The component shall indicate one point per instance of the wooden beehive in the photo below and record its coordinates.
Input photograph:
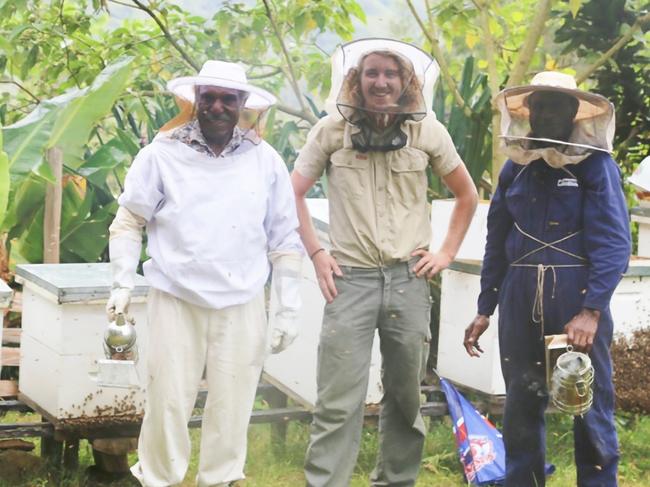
(63, 325)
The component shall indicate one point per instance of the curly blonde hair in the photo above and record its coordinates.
(410, 101)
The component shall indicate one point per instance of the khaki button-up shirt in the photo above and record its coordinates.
(378, 207)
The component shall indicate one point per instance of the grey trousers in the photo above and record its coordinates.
(396, 303)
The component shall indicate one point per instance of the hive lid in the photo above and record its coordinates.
(5, 294)
(640, 211)
(70, 283)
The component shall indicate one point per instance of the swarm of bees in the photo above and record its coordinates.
(631, 365)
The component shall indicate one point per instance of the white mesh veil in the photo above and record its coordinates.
(593, 127)
(419, 73)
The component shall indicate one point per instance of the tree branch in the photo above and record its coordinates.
(444, 67)
(188, 59)
(493, 82)
(490, 48)
(268, 74)
(296, 113)
(293, 79)
(535, 30)
(12, 82)
(641, 21)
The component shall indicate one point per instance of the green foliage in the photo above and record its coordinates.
(65, 122)
(273, 465)
(471, 135)
(4, 181)
(624, 79)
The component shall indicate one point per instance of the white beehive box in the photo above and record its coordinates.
(641, 215)
(460, 289)
(630, 307)
(5, 300)
(63, 324)
(473, 245)
(294, 370)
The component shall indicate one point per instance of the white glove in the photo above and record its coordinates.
(285, 331)
(118, 303)
(285, 286)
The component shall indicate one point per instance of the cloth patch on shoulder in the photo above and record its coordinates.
(567, 182)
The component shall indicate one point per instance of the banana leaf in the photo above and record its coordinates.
(73, 126)
(4, 182)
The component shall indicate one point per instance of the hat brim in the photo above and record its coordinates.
(590, 104)
(258, 99)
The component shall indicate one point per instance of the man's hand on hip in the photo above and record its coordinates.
(581, 330)
(430, 264)
(326, 267)
(473, 332)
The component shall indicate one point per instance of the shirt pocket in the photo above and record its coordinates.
(348, 173)
(408, 168)
(564, 210)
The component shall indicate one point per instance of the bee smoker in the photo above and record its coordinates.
(118, 369)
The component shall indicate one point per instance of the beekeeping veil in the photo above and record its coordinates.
(593, 125)
(418, 72)
(224, 75)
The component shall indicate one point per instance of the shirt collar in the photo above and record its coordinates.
(190, 134)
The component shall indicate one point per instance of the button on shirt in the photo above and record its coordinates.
(211, 221)
(379, 211)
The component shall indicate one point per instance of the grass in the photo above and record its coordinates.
(269, 465)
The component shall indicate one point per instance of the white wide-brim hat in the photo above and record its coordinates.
(590, 104)
(223, 75)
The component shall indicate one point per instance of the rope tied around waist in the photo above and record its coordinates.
(538, 303)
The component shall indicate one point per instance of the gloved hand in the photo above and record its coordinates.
(118, 302)
(285, 330)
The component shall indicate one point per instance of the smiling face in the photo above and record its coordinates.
(381, 83)
(552, 114)
(218, 110)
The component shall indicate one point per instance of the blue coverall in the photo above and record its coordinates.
(580, 211)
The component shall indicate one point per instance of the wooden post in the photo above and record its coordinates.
(277, 399)
(52, 213)
(71, 454)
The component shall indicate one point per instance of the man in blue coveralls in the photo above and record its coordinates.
(558, 242)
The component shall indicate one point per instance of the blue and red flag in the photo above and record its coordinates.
(480, 444)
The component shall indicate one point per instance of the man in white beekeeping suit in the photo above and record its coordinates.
(219, 213)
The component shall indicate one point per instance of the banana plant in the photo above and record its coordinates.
(67, 122)
(471, 135)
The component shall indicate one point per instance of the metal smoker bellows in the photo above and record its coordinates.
(571, 383)
(119, 337)
(119, 367)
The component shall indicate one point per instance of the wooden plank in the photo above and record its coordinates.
(18, 430)
(11, 336)
(17, 302)
(16, 444)
(10, 357)
(8, 388)
(14, 405)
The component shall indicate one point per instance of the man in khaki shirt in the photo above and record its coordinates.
(375, 158)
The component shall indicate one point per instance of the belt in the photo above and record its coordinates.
(538, 304)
